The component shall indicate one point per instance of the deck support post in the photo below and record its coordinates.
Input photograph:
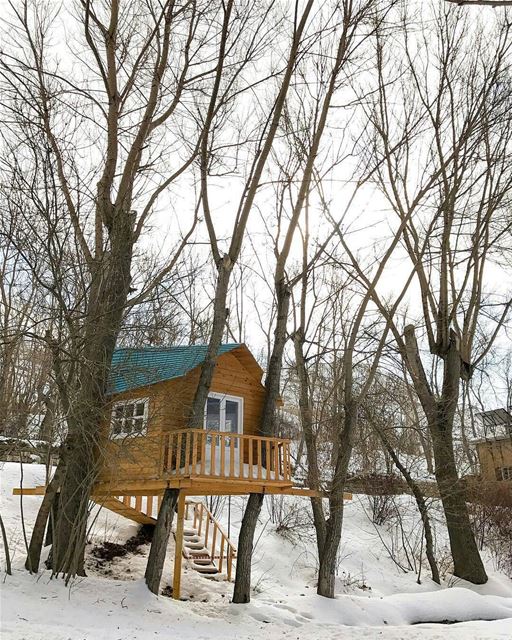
(160, 540)
(176, 585)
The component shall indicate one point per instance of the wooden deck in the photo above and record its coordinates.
(216, 455)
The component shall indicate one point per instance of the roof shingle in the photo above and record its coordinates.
(138, 367)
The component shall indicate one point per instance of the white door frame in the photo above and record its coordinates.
(223, 397)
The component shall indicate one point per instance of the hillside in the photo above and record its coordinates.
(375, 597)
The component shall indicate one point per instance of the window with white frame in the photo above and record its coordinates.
(224, 413)
(130, 418)
(504, 473)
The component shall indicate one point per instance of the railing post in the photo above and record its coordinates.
(230, 562)
(250, 443)
(203, 453)
(179, 450)
(176, 585)
(222, 471)
(241, 460)
(214, 541)
(200, 515)
(232, 456)
(194, 452)
(207, 529)
(187, 453)
(221, 554)
(212, 455)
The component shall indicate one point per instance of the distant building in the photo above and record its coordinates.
(495, 450)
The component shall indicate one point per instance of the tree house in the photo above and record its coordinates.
(148, 447)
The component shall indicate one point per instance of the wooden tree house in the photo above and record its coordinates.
(149, 448)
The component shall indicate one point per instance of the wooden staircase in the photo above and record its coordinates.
(206, 547)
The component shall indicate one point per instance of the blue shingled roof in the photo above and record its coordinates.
(133, 368)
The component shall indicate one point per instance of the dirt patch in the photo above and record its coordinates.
(108, 551)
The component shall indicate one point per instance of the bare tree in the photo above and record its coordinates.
(452, 214)
(127, 100)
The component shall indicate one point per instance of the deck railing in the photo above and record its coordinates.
(234, 456)
(221, 551)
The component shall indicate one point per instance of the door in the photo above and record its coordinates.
(223, 413)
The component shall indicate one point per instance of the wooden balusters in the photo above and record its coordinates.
(187, 453)
(221, 553)
(195, 452)
(222, 470)
(232, 441)
(212, 454)
(178, 451)
(203, 453)
(241, 456)
(214, 539)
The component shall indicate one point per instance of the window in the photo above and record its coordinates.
(130, 418)
(504, 473)
(224, 413)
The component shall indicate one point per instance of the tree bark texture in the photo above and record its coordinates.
(440, 413)
(36, 540)
(82, 451)
(242, 590)
(220, 314)
(422, 506)
(306, 421)
(329, 556)
(158, 550)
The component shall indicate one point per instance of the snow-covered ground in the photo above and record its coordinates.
(377, 597)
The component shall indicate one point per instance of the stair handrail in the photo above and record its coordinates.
(201, 513)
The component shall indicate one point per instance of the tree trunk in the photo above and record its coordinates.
(81, 454)
(426, 446)
(440, 413)
(268, 427)
(220, 314)
(329, 555)
(334, 524)
(36, 540)
(242, 590)
(467, 563)
(54, 514)
(157, 552)
(8, 568)
(269, 424)
(421, 503)
(306, 420)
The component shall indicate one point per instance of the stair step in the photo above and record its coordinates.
(191, 538)
(199, 553)
(196, 553)
(209, 569)
(187, 531)
(202, 561)
(194, 545)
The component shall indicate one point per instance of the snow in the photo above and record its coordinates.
(375, 598)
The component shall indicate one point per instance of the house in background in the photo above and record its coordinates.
(495, 450)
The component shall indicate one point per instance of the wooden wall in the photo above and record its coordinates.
(494, 454)
(169, 408)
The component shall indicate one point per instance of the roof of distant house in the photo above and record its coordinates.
(133, 368)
